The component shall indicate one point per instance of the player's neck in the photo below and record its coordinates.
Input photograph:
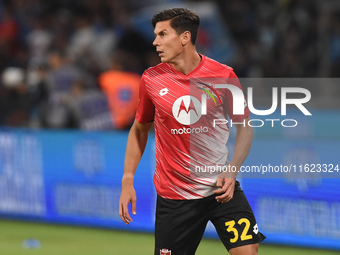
(187, 63)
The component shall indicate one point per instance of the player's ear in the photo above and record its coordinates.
(186, 38)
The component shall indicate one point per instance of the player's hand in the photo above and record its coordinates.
(127, 196)
(226, 189)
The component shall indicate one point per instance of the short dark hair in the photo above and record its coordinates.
(181, 20)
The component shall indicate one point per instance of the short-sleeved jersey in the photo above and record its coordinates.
(190, 114)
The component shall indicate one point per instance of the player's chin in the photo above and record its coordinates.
(164, 60)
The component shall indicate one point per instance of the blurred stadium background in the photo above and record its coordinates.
(68, 95)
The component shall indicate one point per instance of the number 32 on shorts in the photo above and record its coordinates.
(244, 236)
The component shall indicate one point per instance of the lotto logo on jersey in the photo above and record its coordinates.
(165, 252)
(187, 110)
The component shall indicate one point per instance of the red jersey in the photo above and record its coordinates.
(190, 114)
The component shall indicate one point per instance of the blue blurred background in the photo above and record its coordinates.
(63, 136)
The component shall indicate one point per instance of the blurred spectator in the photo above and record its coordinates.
(8, 29)
(121, 88)
(60, 82)
(16, 102)
(81, 41)
(92, 40)
(37, 83)
(8, 36)
(89, 109)
(39, 38)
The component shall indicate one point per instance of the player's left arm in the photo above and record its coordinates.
(244, 137)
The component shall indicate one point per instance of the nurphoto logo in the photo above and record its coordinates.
(239, 104)
(188, 109)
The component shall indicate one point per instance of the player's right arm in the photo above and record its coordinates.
(136, 143)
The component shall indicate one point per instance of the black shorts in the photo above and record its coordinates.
(180, 224)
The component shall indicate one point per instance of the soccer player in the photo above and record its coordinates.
(179, 97)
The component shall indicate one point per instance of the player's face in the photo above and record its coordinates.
(168, 42)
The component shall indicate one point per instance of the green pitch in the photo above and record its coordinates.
(67, 240)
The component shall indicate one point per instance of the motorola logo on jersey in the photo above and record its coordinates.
(187, 110)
